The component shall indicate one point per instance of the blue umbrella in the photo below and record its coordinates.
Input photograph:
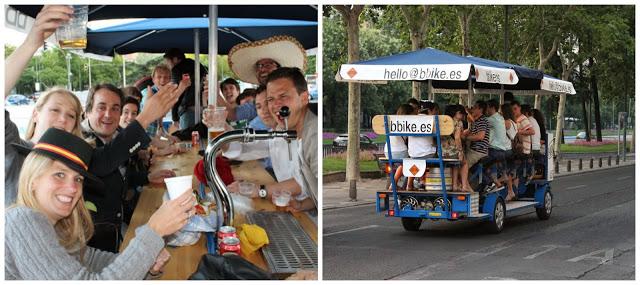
(107, 12)
(442, 68)
(157, 35)
(451, 71)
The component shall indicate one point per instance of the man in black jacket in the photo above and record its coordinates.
(183, 112)
(111, 155)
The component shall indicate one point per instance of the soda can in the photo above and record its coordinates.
(226, 231)
(195, 138)
(229, 246)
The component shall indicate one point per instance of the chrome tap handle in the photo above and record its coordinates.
(284, 113)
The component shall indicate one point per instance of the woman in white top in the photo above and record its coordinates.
(399, 147)
(512, 131)
(422, 147)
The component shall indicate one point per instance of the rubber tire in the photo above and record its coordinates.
(411, 224)
(545, 212)
(495, 226)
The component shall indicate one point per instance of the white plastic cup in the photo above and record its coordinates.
(281, 198)
(178, 185)
(246, 188)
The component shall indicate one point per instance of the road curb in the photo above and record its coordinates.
(333, 207)
(591, 170)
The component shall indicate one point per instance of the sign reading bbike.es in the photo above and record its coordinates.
(411, 124)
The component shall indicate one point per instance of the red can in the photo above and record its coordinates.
(226, 231)
(229, 246)
(195, 138)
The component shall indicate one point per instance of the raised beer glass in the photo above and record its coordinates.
(73, 34)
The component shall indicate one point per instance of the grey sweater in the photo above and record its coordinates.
(32, 251)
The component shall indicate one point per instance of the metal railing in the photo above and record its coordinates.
(329, 149)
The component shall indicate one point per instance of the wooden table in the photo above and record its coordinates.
(184, 260)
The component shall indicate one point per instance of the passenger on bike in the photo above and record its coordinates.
(522, 149)
(478, 136)
(452, 144)
(421, 147)
(538, 127)
(498, 144)
(398, 143)
(511, 131)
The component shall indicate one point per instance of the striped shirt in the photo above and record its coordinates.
(523, 124)
(481, 124)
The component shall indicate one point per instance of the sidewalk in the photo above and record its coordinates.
(336, 194)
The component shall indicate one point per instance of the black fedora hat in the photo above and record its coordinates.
(65, 147)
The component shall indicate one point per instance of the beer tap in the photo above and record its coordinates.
(221, 195)
(284, 113)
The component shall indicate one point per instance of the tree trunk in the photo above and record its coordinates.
(585, 114)
(417, 18)
(543, 59)
(584, 97)
(566, 73)
(596, 100)
(350, 15)
(505, 50)
(464, 18)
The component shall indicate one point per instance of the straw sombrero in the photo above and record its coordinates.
(285, 50)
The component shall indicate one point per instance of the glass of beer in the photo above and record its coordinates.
(73, 34)
(216, 118)
(281, 199)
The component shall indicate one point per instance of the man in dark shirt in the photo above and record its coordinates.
(183, 112)
(114, 147)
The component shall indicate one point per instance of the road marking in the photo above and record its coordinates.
(607, 258)
(549, 247)
(351, 230)
(424, 272)
(498, 278)
(576, 187)
(623, 178)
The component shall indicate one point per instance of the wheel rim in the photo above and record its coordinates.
(547, 202)
(499, 215)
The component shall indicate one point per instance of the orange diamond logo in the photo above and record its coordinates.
(510, 77)
(352, 72)
(414, 169)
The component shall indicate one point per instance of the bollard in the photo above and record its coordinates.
(617, 160)
(568, 165)
(557, 167)
(580, 164)
(591, 163)
(609, 161)
(600, 162)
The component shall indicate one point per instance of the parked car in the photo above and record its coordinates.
(365, 142)
(581, 136)
(17, 99)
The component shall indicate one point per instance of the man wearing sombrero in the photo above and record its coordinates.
(253, 61)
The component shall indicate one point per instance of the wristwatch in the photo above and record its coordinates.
(262, 192)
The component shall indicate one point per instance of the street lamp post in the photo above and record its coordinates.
(68, 57)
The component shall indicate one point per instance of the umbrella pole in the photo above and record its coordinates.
(196, 82)
(213, 54)
(470, 92)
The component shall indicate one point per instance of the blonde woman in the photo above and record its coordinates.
(47, 230)
(57, 108)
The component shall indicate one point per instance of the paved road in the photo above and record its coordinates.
(591, 235)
